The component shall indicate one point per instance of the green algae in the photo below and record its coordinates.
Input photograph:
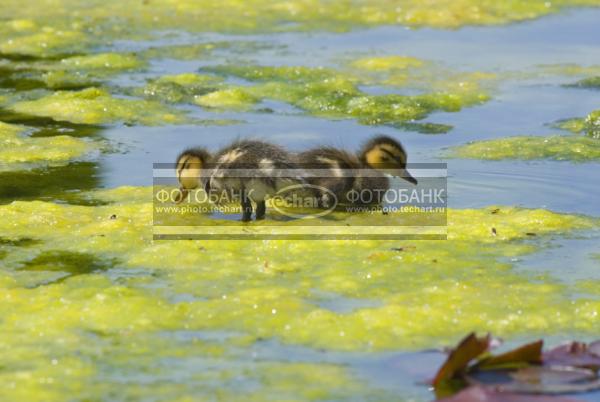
(269, 73)
(335, 94)
(130, 17)
(571, 148)
(122, 230)
(48, 182)
(184, 52)
(102, 61)
(179, 88)
(73, 263)
(19, 150)
(431, 292)
(386, 63)
(570, 70)
(43, 42)
(20, 242)
(590, 125)
(44, 267)
(590, 82)
(231, 98)
(67, 73)
(97, 106)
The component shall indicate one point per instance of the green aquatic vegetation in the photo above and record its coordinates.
(193, 51)
(43, 267)
(20, 150)
(20, 242)
(571, 148)
(591, 82)
(41, 41)
(590, 125)
(73, 263)
(179, 88)
(122, 229)
(97, 106)
(48, 182)
(231, 98)
(101, 61)
(425, 128)
(387, 63)
(389, 70)
(431, 292)
(334, 94)
(265, 16)
(67, 73)
(570, 69)
(269, 74)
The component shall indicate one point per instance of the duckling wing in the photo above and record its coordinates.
(256, 166)
(330, 168)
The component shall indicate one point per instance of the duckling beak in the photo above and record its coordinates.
(181, 196)
(409, 178)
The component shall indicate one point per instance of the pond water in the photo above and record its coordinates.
(171, 330)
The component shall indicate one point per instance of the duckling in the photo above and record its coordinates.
(353, 173)
(249, 169)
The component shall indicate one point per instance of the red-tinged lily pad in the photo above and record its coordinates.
(538, 380)
(553, 380)
(576, 354)
(530, 353)
(522, 374)
(493, 394)
(594, 348)
(458, 360)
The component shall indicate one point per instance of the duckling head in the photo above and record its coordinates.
(189, 170)
(387, 155)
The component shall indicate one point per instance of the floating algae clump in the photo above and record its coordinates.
(66, 73)
(110, 17)
(18, 149)
(389, 70)
(269, 73)
(589, 125)
(42, 42)
(183, 52)
(386, 63)
(97, 106)
(571, 148)
(334, 94)
(179, 88)
(102, 61)
(590, 82)
(232, 98)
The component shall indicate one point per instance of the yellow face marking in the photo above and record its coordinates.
(386, 157)
(397, 153)
(181, 163)
(189, 170)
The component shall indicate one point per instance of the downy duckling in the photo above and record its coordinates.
(352, 175)
(247, 170)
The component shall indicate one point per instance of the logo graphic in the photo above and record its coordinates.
(304, 201)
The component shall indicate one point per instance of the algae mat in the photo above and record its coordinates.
(102, 298)
(261, 15)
